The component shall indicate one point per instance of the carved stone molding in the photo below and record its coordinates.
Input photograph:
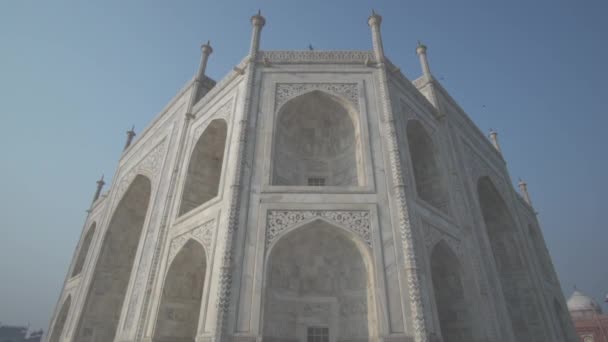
(202, 234)
(149, 166)
(288, 91)
(287, 57)
(223, 112)
(357, 221)
(433, 235)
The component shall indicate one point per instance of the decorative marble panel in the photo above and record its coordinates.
(357, 221)
(433, 235)
(288, 91)
(202, 234)
(352, 57)
(223, 112)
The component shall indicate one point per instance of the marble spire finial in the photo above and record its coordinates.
(374, 21)
(100, 184)
(130, 135)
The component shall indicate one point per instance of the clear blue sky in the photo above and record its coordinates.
(75, 75)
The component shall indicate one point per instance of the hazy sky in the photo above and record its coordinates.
(75, 75)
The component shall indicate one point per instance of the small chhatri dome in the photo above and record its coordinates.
(581, 303)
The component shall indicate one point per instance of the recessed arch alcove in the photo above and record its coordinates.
(453, 310)
(515, 281)
(99, 320)
(180, 304)
(60, 320)
(205, 167)
(430, 184)
(538, 246)
(84, 250)
(318, 277)
(316, 142)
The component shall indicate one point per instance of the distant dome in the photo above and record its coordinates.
(580, 302)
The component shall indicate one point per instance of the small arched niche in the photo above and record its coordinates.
(430, 185)
(317, 287)
(84, 250)
(180, 303)
(316, 143)
(454, 313)
(60, 320)
(205, 167)
(516, 284)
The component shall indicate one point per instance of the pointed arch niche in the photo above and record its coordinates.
(317, 143)
(104, 302)
(205, 167)
(84, 250)
(180, 303)
(430, 184)
(455, 316)
(515, 280)
(60, 321)
(317, 282)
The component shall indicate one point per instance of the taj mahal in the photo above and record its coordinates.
(312, 196)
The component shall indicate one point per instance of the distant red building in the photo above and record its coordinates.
(591, 325)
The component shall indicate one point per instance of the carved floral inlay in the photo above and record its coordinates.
(288, 91)
(202, 233)
(357, 221)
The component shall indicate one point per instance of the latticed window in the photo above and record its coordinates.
(316, 181)
(318, 334)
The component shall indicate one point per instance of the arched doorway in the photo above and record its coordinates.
(429, 182)
(455, 319)
(84, 250)
(60, 320)
(317, 287)
(516, 284)
(103, 306)
(316, 143)
(205, 167)
(180, 303)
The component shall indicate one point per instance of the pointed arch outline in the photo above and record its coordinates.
(362, 231)
(83, 250)
(170, 263)
(218, 121)
(443, 251)
(147, 170)
(514, 231)
(360, 245)
(423, 148)
(353, 109)
(63, 316)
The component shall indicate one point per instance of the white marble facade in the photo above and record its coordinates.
(311, 196)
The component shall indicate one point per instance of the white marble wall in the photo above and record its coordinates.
(252, 212)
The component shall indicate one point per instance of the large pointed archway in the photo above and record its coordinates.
(317, 287)
(455, 317)
(103, 306)
(180, 303)
(514, 277)
(60, 320)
